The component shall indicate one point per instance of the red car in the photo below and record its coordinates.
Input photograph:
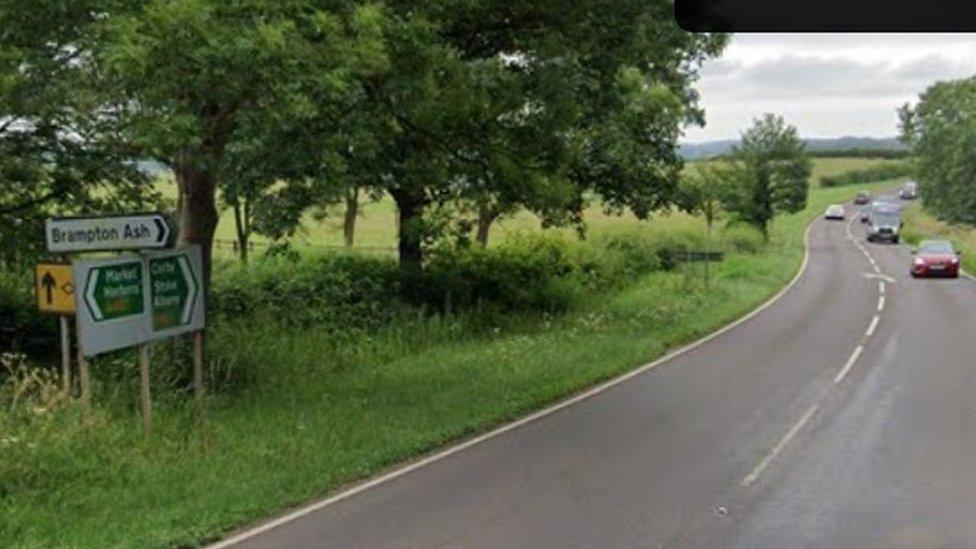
(935, 258)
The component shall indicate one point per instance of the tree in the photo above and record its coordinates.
(538, 105)
(941, 129)
(769, 173)
(702, 191)
(60, 151)
(198, 82)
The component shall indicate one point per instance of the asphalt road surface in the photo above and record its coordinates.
(844, 415)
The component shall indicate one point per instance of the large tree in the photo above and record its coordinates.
(769, 174)
(197, 80)
(60, 150)
(534, 104)
(941, 129)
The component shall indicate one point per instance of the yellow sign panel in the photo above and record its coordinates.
(55, 288)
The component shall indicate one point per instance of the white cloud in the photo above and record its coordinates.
(827, 85)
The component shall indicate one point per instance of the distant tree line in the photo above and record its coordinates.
(941, 130)
(462, 112)
(859, 153)
(867, 175)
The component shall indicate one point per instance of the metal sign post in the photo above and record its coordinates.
(54, 291)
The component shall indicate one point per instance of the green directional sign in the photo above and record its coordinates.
(115, 291)
(173, 291)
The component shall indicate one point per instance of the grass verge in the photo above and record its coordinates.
(319, 413)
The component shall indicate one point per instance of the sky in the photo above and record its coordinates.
(827, 85)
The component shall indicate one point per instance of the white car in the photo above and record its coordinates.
(835, 211)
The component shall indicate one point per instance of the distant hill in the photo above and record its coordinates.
(706, 149)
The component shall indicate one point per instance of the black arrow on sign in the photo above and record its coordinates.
(163, 233)
(48, 282)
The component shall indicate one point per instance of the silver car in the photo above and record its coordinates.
(835, 211)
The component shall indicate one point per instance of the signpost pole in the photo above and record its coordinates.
(83, 380)
(198, 372)
(144, 388)
(65, 353)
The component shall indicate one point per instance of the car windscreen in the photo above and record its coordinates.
(935, 248)
(885, 219)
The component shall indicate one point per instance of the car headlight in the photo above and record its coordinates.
(919, 262)
(955, 260)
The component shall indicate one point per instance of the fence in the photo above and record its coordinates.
(233, 246)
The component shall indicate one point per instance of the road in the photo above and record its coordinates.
(843, 415)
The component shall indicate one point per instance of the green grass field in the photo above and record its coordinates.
(319, 413)
(375, 227)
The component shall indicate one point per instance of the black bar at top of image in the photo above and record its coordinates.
(826, 15)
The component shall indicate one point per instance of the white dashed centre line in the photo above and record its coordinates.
(752, 477)
(873, 326)
(850, 363)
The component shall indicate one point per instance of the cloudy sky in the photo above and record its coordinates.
(828, 85)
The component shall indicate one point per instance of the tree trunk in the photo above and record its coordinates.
(352, 210)
(486, 216)
(410, 211)
(198, 212)
(240, 224)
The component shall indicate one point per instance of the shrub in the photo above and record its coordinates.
(743, 238)
(22, 328)
(341, 292)
(866, 175)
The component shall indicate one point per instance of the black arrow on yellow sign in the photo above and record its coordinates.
(48, 282)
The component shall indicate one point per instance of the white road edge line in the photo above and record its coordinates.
(847, 366)
(881, 287)
(498, 431)
(881, 303)
(872, 326)
(752, 477)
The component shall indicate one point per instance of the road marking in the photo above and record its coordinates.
(881, 287)
(872, 326)
(881, 303)
(501, 430)
(752, 477)
(883, 277)
(850, 363)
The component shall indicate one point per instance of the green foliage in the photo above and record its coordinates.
(860, 153)
(59, 152)
(769, 173)
(702, 190)
(22, 329)
(335, 292)
(941, 129)
(866, 175)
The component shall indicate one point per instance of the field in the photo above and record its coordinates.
(313, 412)
(376, 230)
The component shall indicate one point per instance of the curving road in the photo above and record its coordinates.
(843, 415)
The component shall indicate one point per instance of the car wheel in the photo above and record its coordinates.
(895, 240)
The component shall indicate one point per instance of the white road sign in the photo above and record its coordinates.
(128, 301)
(123, 232)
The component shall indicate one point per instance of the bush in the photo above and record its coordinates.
(340, 292)
(743, 238)
(22, 328)
(866, 175)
